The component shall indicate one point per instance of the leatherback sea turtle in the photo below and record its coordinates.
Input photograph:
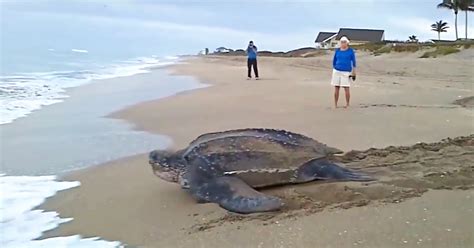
(226, 167)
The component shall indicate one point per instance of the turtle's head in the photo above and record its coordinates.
(167, 165)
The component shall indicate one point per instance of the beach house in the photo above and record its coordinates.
(325, 39)
(223, 50)
(357, 36)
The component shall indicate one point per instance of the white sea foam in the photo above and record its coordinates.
(79, 51)
(20, 223)
(24, 93)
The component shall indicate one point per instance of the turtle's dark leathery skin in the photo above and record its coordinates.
(226, 167)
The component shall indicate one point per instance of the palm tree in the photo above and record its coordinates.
(439, 27)
(454, 5)
(412, 38)
(466, 6)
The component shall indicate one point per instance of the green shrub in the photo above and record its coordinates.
(371, 47)
(445, 50)
(440, 51)
(407, 48)
(384, 49)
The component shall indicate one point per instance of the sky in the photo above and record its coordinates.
(186, 27)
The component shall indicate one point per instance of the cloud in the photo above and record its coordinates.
(229, 36)
(193, 33)
(421, 27)
(146, 10)
(274, 24)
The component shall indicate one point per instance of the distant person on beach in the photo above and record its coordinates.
(344, 70)
(252, 60)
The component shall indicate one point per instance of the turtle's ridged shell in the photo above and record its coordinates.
(279, 136)
(261, 157)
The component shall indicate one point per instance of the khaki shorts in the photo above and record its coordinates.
(341, 78)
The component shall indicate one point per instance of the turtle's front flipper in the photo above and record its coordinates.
(324, 169)
(235, 195)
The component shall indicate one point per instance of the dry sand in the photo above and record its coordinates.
(424, 196)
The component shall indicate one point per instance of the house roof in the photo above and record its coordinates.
(322, 36)
(372, 35)
(438, 41)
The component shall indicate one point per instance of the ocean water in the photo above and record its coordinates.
(21, 224)
(52, 121)
(24, 90)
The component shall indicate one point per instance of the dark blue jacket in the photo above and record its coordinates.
(252, 53)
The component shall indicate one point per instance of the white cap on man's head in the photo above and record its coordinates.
(344, 39)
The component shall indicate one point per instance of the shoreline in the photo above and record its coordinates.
(76, 133)
(64, 138)
(122, 200)
(56, 87)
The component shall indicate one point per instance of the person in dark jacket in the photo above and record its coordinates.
(252, 60)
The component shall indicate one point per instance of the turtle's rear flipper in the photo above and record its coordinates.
(324, 169)
(235, 195)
